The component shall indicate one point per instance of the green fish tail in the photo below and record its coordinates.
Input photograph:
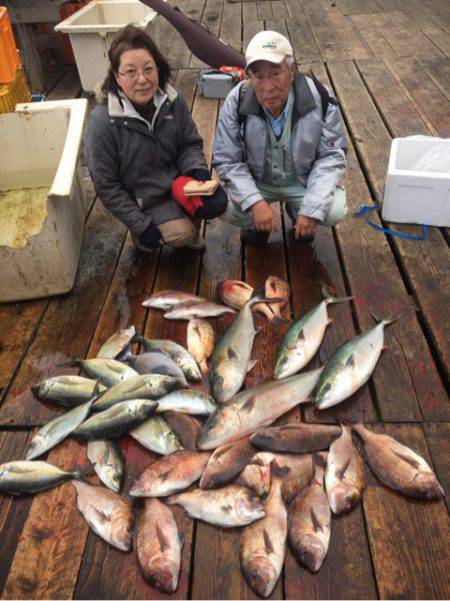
(334, 299)
(386, 320)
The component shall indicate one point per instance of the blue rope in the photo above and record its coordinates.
(365, 209)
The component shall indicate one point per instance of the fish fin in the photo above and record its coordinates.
(315, 522)
(268, 547)
(226, 508)
(251, 364)
(329, 298)
(222, 450)
(386, 320)
(101, 515)
(319, 460)
(164, 475)
(276, 471)
(74, 361)
(249, 404)
(341, 472)
(231, 353)
(163, 542)
(350, 361)
(301, 335)
(81, 473)
(410, 460)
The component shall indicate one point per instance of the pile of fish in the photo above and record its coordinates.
(282, 483)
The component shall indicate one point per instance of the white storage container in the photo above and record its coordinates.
(413, 196)
(42, 209)
(93, 28)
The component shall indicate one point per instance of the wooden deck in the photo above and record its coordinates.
(388, 62)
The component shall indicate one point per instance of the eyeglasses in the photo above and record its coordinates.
(132, 74)
(276, 77)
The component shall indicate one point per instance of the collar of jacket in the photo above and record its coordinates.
(303, 100)
(122, 107)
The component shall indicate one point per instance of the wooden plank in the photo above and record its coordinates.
(250, 23)
(430, 298)
(280, 10)
(408, 538)
(69, 321)
(231, 26)
(350, 37)
(373, 145)
(439, 72)
(427, 96)
(438, 439)
(326, 38)
(178, 53)
(264, 8)
(294, 8)
(373, 36)
(302, 39)
(13, 510)
(68, 87)
(356, 7)
(278, 25)
(441, 39)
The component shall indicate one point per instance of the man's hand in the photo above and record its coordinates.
(263, 217)
(305, 227)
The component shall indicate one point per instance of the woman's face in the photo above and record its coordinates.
(137, 75)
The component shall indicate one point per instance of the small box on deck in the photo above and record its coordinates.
(215, 84)
(416, 191)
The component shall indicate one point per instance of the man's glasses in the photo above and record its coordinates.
(132, 74)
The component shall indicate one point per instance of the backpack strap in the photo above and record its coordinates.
(240, 117)
(325, 97)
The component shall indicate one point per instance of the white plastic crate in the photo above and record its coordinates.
(93, 28)
(42, 208)
(412, 196)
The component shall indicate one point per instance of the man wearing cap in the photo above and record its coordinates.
(274, 143)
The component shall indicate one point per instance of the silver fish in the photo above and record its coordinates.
(158, 546)
(263, 543)
(107, 513)
(166, 299)
(69, 391)
(108, 462)
(200, 341)
(116, 420)
(255, 408)
(157, 362)
(350, 366)
(345, 478)
(170, 474)
(227, 507)
(117, 344)
(146, 386)
(189, 310)
(57, 430)
(302, 340)
(310, 521)
(156, 435)
(231, 358)
(194, 402)
(26, 477)
(107, 371)
(399, 467)
(179, 354)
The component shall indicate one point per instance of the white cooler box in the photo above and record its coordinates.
(42, 209)
(93, 28)
(417, 196)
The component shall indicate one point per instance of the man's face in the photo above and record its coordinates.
(272, 84)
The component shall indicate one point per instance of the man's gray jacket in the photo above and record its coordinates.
(133, 163)
(318, 147)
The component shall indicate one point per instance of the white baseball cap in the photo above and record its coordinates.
(268, 46)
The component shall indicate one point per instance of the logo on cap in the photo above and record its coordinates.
(272, 45)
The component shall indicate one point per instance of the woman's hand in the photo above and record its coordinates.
(263, 217)
(151, 237)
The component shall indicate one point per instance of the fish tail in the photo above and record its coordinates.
(81, 473)
(279, 320)
(334, 299)
(359, 428)
(276, 471)
(74, 361)
(386, 320)
(318, 460)
(136, 338)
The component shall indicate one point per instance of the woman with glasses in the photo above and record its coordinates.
(139, 140)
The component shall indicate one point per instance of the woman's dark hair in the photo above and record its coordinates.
(133, 38)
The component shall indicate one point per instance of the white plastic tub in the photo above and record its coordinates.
(413, 196)
(93, 28)
(42, 209)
